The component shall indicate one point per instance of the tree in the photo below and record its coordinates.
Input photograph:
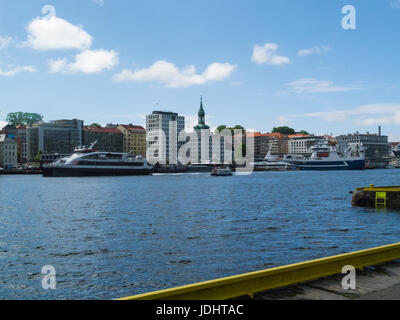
(284, 130)
(23, 118)
(304, 132)
(95, 125)
(37, 157)
(221, 127)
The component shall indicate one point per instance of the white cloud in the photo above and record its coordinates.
(310, 85)
(13, 70)
(283, 120)
(314, 50)
(367, 115)
(5, 42)
(88, 61)
(395, 4)
(99, 2)
(266, 54)
(170, 75)
(55, 33)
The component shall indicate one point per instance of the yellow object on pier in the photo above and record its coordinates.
(380, 200)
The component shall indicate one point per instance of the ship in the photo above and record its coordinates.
(271, 163)
(396, 151)
(87, 161)
(221, 172)
(326, 157)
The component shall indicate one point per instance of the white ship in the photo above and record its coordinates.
(271, 163)
(86, 161)
(326, 157)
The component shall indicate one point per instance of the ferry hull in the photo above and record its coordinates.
(343, 165)
(90, 172)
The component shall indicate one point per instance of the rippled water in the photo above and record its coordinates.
(112, 237)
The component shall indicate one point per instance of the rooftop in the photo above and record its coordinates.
(102, 130)
(132, 127)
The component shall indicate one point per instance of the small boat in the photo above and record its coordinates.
(219, 172)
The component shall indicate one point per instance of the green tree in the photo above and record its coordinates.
(221, 127)
(37, 157)
(304, 132)
(284, 130)
(23, 118)
(95, 125)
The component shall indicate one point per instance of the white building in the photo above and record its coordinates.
(8, 152)
(302, 144)
(163, 130)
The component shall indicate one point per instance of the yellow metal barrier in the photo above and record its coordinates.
(259, 281)
(380, 200)
(380, 189)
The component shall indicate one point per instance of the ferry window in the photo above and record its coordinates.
(91, 156)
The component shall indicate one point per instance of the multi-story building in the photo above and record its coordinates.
(263, 142)
(261, 145)
(279, 144)
(55, 137)
(21, 140)
(8, 152)
(160, 125)
(377, 147)
(301, 144)
(108, 139)
(134, 139)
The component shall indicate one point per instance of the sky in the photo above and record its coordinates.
(257, 63)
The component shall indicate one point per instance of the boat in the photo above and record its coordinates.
(87, 161)
(219, 172)
(271, 163)
(326, 157)
(396, 151)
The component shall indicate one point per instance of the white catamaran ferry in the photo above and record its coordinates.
(86, 161)
(326, 157)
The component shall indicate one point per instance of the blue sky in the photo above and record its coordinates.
(256, 63)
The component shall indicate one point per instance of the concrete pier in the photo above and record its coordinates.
(377, 276)
(377, 197)
(380, 282)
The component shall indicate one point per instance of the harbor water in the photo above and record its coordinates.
(109, 237)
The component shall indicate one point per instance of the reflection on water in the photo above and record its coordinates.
(111, 237)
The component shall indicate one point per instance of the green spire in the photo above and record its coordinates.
(202, 117)
(201, 111)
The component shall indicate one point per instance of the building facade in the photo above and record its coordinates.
(18, 133)
(8, 152)
(108, 139)
(134, 139)
(301, 144)
(261, 145)
(55, 137)
(377, 147)
(163, 129)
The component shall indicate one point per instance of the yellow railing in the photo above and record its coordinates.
(384, 189)
(259, 281)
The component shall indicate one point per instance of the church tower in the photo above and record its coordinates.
(202, 118)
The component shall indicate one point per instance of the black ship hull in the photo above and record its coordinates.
(93, 172)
